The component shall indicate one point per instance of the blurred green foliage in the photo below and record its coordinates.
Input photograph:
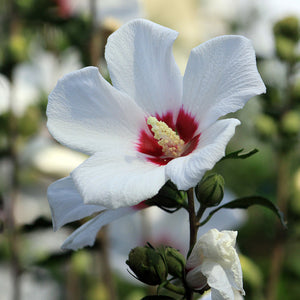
(24, 23)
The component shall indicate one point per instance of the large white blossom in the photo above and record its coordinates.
(215, 262)
(151, 125)
(132, 155)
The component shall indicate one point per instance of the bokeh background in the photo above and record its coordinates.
(40, 41)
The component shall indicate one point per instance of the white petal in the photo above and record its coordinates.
(217, 279)
(84, 112)
(188, 170)
(221, 76)
(140, 62)
(118, 178)
(66, 203)
(235, 275)
(85, 235)
(196, 279)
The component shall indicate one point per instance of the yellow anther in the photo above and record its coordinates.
(172, 145)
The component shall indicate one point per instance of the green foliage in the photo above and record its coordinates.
(246, 202)
(237, 155)
(288, 28)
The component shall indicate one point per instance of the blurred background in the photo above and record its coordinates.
(40, 41)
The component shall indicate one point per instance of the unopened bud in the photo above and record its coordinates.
(169, 197)
(290, 123)
(210, 190)
(148, 265)
(265, 126)
(175, 262)
(288, 28)
(285, 48)
(17, 47)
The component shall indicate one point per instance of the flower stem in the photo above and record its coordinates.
(176, 289)
(200, 212)
(193, 231)
(192, 219)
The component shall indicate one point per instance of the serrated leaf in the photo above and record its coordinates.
(237, 155)
(246, 202)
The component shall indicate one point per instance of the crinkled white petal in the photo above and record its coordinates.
(215, 295)
(221, 76)
(188, 170)
(86, 234)
(218, 246)
(217, 279)
(66, 203)
(215, 257)
(116, 178)
(85, 112)
(140, 62)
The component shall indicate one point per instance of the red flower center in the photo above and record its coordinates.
(157, 149)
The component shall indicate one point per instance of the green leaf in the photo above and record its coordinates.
(37, 224)
(246, 202)
(237, 155)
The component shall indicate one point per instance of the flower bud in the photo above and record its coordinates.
(288, 28)
(17, 47)
(265, 126)
(148, 265)
(210, 190)
(175, 262)
(285, 48)
(290, 123)
(169, 197)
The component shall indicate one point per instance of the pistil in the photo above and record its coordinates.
(172, 145)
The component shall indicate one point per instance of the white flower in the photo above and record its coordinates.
(133, 155)
(38, 76)
(214, 261)
(67, 206)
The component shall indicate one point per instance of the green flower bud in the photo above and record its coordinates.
(265, 126)
(290, 123)
(175, 262)
(288, 28)
(285, 49)
(168, 197)
(148, 265)
(17, 47)
(210, 190)
(30, 122)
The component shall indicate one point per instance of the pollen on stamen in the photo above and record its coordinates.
(172, 145)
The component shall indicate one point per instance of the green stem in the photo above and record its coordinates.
(193, 231)
(176, 289)
(200, 212)
(192, 219)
